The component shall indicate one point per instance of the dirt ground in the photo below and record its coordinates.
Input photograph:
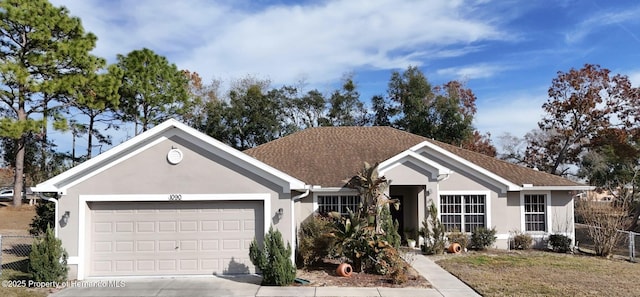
(15, 221)
(325, 275)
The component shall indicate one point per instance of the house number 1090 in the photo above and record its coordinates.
(175, 197)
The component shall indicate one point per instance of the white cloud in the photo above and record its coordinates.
(482, 70)
(634, 77)
(317, 41)
(517, 115)
(603, 19)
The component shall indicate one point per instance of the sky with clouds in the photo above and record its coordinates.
(506, 51)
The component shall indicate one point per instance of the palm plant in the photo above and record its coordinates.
(371, 187)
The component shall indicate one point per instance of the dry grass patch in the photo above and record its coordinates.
(21, 292)
(535, 273)
(15, 221)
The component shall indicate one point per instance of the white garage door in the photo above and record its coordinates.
(173, 238)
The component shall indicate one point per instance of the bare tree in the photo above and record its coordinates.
(604, 220)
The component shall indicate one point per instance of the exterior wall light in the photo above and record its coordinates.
(280, 213)
(65, 218)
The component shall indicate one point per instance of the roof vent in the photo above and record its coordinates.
(174, 156)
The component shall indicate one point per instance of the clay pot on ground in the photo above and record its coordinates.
(344, 270)
(455, 248)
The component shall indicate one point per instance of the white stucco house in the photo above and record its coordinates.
(174, 201)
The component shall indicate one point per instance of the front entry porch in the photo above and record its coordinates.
(412, 209)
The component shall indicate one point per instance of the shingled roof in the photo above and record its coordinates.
(327, 156)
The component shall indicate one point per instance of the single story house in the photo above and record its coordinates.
(174, 201)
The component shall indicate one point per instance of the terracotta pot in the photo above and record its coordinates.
(344, 270)
(455, 248)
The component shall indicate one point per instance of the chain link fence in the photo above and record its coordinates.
(627, 246)
(14, 255)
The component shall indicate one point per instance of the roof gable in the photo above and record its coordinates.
(511, 173)
(416, 159)
(159, 133)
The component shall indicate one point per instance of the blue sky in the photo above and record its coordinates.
(506, 51)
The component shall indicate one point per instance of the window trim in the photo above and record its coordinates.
(547, 210)
(487, 204)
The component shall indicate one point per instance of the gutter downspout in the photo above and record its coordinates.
(55, 220)
(294, 224)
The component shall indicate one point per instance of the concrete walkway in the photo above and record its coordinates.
(444, 284)
(441, 280)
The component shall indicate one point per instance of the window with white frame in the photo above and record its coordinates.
(464, 213)
(534, 212)
(338, 203)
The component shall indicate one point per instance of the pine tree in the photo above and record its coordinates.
(48, 260)
(44, 54)
(152, 91)
(274, 260)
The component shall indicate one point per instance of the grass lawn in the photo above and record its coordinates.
(537, 273)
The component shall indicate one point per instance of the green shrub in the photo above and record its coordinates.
(433, 232)
(560, 243)
(390, 227)
(353, 235)
(48, 260)
(481, 238)
(521, 241)
(45, 216)
(274, 260)
(316, 240)
(458, 237)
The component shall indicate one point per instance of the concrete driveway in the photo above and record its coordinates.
(197, 287)
(444, 284)
(227, 286)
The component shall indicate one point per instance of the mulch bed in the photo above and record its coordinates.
(324, 274)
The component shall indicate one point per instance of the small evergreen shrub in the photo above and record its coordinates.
(390, 227)
(560, 243)
(316, 240)
(521, 241)
(481, 238)
(458, 237)
(48, 260)
(433, 232)
(274, 260)
(45, 217)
